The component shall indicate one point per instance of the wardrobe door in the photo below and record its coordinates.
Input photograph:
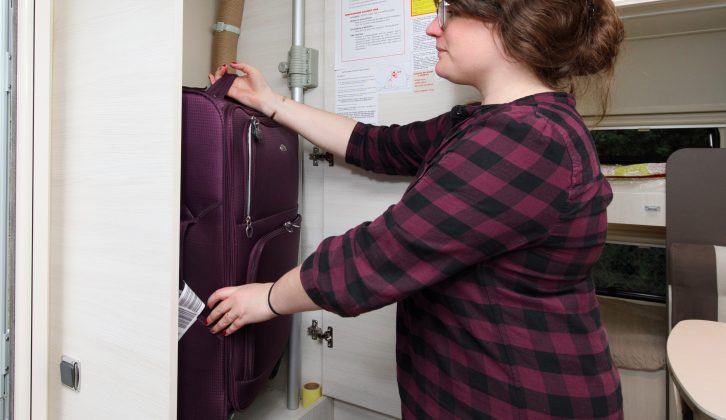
(360, 368)
(115, 157)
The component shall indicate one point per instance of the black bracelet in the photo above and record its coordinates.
(269, 293)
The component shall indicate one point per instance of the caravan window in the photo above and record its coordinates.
(631, 271)
(625, 146)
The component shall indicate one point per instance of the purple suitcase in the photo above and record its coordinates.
(239, 224)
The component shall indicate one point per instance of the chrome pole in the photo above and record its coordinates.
(293, 353)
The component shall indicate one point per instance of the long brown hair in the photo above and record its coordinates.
(561, 41)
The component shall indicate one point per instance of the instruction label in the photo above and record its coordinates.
(190, 306)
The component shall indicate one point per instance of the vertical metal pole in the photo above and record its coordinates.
(294, 356)
(5, 149)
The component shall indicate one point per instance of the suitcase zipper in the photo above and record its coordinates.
(256, 132)
(229, 163)
(253, 131)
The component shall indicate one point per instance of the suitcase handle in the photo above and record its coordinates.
(220, 88)
(187, 219)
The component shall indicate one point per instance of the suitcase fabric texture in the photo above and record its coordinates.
(239, 224)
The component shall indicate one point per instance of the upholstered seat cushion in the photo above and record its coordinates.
(637, 332)
(697, 277)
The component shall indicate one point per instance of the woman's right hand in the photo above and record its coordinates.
(326, 130)
(250, 89)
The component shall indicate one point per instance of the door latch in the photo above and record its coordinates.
(316, 333)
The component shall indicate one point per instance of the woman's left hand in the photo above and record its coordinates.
(238, 306)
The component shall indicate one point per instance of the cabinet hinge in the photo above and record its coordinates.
(8, 65)
(316, 333)
(316, 156)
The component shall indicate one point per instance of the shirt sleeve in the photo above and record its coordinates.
(499, 189)
(395, 149)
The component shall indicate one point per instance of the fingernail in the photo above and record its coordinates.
(226, 333)
(234, 62)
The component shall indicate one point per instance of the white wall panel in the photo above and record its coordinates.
(199, 16)
(115, 207)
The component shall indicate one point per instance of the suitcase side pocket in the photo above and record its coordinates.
(258, 347)
(289, 227)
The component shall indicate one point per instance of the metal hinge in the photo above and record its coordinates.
(8, 86)
(316, 156)
(317, 333)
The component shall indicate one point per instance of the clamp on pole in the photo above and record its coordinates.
(301, 67)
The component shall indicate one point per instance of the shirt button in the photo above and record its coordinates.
(459, 112)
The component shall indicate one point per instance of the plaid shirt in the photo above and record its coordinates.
(488, 255)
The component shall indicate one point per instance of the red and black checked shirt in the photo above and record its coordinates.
(488, 255)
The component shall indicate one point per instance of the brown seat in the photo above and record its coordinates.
(696, 259)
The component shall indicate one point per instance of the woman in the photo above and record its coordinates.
(489, 251)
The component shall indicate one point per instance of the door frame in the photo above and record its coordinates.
(30, 363)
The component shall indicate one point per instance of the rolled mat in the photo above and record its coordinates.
(224, 43)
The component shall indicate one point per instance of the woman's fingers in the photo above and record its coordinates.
(254, 79)
(244, 67)
(225, 316)
(222, 315)
(237, 306)
(219, 72)
(217, 312)
(219, 295)
(234, 326)
(224, 322)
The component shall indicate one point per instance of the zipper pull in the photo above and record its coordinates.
(289, 226)
(256, 131)
(248, 229)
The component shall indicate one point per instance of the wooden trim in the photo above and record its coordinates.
(21, 328)
(665, 119)
(41, 207)
(30, 329)
(636, 235)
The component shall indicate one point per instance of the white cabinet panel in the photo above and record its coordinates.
(343, 411)
(115, 143)
(360, 368)
(638, 202)
(352, 196)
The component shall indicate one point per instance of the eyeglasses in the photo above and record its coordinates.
(441, 13)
